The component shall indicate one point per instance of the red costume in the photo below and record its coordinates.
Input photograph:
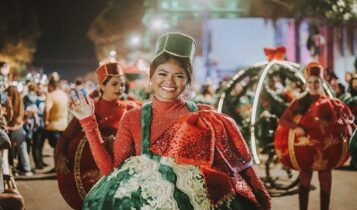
(327, 123)
(224, 158)
(73, 144)
(328, 127)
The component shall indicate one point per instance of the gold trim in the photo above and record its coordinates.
(106, 71)
(291, 146)
(345, 149)
(177, 33)
(77, 169)
(120, 73)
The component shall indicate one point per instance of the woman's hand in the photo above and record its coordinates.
(61, 164)
(80, 106)
(299, 131)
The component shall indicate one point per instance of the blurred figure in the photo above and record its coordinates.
(311, 134)
(10, 197)
(352, 103)
(15, 127)
(292, 90)
(31, 120)
(56, 113)
(39, 134)
(221, 86)
(205, 96)
(5, 102)
(353, 84)
(77, 171)
(129, 98)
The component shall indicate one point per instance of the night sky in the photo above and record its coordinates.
(64, 45)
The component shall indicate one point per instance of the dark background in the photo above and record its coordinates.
(63, 45)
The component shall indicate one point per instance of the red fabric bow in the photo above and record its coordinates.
(275, 53)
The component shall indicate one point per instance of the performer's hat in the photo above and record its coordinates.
(175, 43)
(314, 69)
(108, 69)
(275, 53)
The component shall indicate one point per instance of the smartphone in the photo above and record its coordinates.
(74, 93)
(3, 98)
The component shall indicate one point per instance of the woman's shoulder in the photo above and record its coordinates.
(134, 113)
(207, 110)
(204, 107)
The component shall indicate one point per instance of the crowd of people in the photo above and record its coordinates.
(113, 152)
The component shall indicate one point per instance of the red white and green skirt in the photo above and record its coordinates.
(150, 181)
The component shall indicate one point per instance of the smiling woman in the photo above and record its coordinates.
(169, 79)
(313, 135)
(76, 168)
(172, 153)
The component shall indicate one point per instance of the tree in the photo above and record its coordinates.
(19, 30)
(334, 12)
(112, 27)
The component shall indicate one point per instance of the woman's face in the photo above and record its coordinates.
(314, 85)
(113, 89)
(168, 81)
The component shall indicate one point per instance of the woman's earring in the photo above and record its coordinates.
(150, 87)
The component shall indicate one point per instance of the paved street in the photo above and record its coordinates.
(43, 194)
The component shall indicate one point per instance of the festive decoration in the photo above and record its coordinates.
(328, 125)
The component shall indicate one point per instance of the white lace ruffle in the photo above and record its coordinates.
(190, 181)
(158, 192)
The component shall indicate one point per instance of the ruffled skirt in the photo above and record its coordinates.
(157, 183)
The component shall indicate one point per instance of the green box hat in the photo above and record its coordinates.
(177, 44)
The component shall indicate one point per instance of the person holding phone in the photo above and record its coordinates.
(76, 169)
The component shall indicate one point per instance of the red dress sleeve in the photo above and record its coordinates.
(123, 146)
(100, 154)
(286, 119)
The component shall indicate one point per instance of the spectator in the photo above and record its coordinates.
(56, 113)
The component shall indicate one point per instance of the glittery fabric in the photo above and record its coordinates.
(211, 140)
(328, 124)
(108, 115)
(111, 117)
(164, 114)
(205, 138)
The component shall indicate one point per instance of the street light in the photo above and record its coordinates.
(157, 23)
(112, 53)
(134, 40)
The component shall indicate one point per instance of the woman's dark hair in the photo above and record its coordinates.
(184, 63)
(106, 80)
(205, 89)
(104, 83)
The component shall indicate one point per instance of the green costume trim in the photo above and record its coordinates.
(150, 181)
(145, 129)
(183, 201)
(177, 44)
